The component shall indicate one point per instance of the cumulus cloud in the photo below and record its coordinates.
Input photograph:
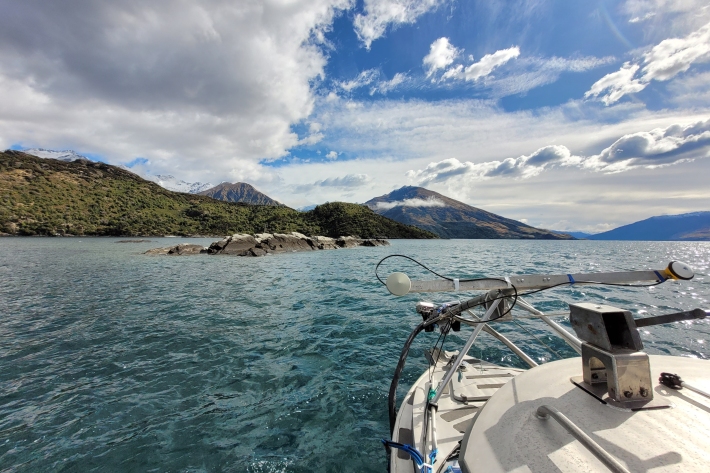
(441, 55)
(523, 166)
(658, 148)
(613, 86)
(484, 67)
(332, 155)
(663, 62)
(431, 202)
(379, 14)
(202, 86)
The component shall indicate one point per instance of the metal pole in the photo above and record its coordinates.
(545, 412)
(571, 340)
(464, 351)
(504, 340)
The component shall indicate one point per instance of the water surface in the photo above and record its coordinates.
(115, 361)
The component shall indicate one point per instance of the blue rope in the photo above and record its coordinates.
(660, 278)
(571, 279)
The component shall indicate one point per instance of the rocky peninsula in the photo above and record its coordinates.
(262, 244)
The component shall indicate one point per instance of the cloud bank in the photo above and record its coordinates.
(124, 79)
(663, 62)
(431, 202)
(658, 148)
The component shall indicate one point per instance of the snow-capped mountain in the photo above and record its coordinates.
(171, 183)
(66, 155)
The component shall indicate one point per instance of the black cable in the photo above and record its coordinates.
(392, 398)
(430, 270)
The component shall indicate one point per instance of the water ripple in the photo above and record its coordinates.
(114, 361)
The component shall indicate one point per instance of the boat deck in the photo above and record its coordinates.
(475, 382)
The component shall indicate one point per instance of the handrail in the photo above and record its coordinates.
(505, 341)
(571, 340)
(544, 412)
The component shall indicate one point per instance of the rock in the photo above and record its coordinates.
(375, 242)
(187, 249)
(238, 243)
(347, 242)
(325, 243)
(178, 250)
(281, 243)
(263, 244)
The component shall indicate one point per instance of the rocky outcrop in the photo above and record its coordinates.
(263, 244)
(178, 250)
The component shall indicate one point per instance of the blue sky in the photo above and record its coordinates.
(567, 115)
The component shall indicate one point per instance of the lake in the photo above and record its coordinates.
(111, 360)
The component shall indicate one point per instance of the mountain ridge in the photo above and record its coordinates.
(52, 197)
(693, 226)
(239, 192)
(450, 218)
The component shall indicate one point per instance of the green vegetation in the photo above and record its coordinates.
(50, 197)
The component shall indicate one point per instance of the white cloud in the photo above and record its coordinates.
(523, 166)
(484, 67)
(366, 77)
(638, 19)
(349, 180)
(673, 56)
(431, 202)
(371, 77)
(616, 85)
(658, 148)
(663, 62)
(332, 155)
(533, 72)
(379, 14)
(441, 55)
(203, 90)
(386, 86)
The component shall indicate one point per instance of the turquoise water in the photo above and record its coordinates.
(115, 361)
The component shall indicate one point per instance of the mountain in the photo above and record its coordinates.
(239, 192)
(450, 218)
(66, 155)
(683, 227)
(53, 197)
(574, 234)
(173, 184)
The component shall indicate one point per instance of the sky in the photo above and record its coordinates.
(564, 115)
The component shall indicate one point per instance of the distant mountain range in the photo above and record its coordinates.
(574, 234)
(173, 184)
(66, 155)
(239, 192)
(450, 218)
(81, 197)
(684, 227)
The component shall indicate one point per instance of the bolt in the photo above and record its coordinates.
(643, 391)
(628, 393)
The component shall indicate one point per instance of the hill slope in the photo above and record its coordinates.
(49, 197)
(450, 218)
(684, 227)
(239, 192)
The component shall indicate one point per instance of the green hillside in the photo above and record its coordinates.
(50, 197)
